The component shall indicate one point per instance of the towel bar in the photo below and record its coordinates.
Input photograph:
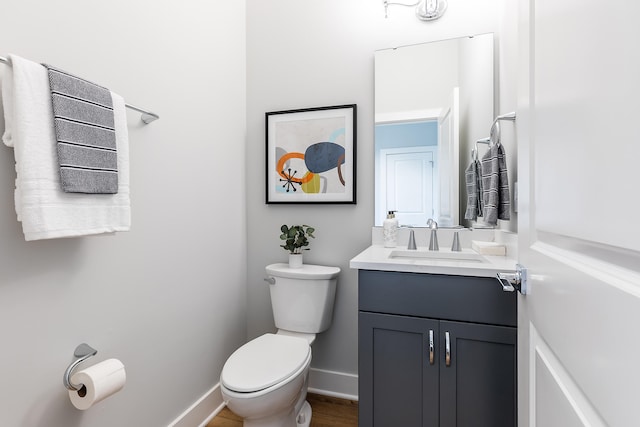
(474, 150)
(495, 133)
(147, 116)
(495, 126)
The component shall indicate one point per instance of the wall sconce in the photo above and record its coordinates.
(426, 10)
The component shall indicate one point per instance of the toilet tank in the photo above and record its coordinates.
(302, 298)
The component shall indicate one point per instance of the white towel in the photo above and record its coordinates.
(45, 211)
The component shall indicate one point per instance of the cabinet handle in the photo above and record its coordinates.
(431, 349)
(447, 344)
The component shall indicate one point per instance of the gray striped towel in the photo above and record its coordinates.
(495, 183)
(480, 188)
(85, 133)
(473, 181)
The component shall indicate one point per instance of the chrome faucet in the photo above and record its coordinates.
(433, 241)
(412, 241)
(455, 246)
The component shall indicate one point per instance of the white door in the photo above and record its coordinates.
(448, 136)
(409, 176)
(578, 162)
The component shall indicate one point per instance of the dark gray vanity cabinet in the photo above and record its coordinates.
(436, 350)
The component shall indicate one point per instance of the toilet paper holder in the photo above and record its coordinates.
(82, 352)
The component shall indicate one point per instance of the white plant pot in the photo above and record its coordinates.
(295, 260)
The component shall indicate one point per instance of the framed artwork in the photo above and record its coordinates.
(311, 155)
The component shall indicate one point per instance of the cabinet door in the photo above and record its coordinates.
(478, 385)
(397, 380)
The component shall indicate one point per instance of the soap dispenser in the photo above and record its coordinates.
(390, 230)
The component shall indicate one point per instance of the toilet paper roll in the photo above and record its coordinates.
(99, 382)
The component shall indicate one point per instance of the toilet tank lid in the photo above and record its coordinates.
(307, 271)
(263, 362)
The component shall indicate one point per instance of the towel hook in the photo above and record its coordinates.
(82, 352)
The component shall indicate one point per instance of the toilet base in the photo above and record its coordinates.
(304, 416)
(302, 419)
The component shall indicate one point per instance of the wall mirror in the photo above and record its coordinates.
(432, 102)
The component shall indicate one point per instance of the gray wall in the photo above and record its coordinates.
(318, 53)
(167, 298)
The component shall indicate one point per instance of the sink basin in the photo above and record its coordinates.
(464, 256)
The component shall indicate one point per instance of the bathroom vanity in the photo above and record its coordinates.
(437, 333)
(437, 341)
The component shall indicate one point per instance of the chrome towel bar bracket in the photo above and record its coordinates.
(494, 132)
(147, 116)
(82, 352)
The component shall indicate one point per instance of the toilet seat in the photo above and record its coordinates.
(263, 362)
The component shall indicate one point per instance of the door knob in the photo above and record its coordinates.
(514, 281)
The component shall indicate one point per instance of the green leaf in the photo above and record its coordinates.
(295, 237)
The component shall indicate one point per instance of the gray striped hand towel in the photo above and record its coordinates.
(473, 181)
(85, 134)
(495, 183)
(480, 188)
(473, 202)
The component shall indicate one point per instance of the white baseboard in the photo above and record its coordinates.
(202, 411)
(335, 384)
(328, 383)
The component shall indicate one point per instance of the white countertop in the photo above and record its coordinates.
(377, 257)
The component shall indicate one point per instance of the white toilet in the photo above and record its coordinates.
(265, 380)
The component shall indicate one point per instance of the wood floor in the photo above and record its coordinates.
(327, 412)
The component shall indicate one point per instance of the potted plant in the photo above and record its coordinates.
(295, 241)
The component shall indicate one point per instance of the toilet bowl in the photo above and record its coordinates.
(265, 381)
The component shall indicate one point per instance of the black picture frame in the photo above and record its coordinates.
(311, 155)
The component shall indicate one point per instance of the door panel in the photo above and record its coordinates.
(553, 409)
(394, 352)
(578, 352)
(478, 388)
(409, 177)
(558, 402)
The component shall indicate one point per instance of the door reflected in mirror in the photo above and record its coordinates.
(432, 102)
